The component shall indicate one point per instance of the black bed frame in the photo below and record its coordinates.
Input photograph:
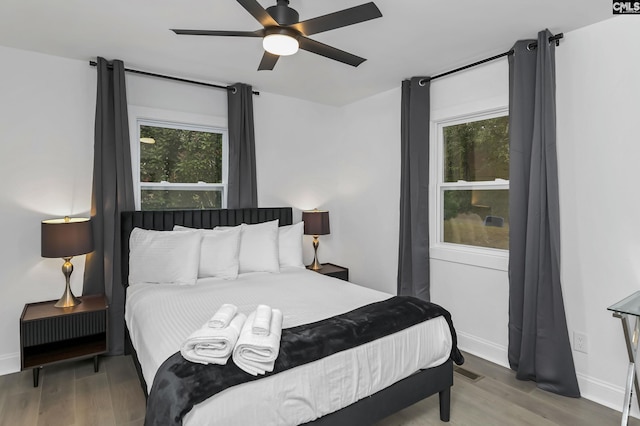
(396, 397)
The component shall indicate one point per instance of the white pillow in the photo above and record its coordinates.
(259, 247)
(219, 251)
(290, 245)
(163, 257)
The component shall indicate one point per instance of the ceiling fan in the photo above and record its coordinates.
(283, 33)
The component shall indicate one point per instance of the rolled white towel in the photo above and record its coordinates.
(213, 345)
(262, 321)
(257, 354)
(223, 316)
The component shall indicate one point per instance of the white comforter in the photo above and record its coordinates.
(161, 317)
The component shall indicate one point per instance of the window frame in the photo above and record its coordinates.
(492, 258)
(141, 116)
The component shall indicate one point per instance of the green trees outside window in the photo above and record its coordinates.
(180, 168)
(475, 181)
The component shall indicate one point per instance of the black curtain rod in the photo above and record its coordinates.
(530, 46)
(168, 77)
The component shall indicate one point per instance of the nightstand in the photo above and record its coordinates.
(334, 271)
(49, 335)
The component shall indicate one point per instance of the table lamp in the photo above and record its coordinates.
(316, 222)
(66, 238)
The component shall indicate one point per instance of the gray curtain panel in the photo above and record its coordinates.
(112, 193)
(539, 347)
(242, 185)
(413, 257)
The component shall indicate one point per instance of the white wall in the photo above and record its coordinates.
(345, 160)
(150, 92)
(296, 150)
(368, 178)
(47, 106)
(598, 101)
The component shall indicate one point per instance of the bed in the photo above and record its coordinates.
(371, 387)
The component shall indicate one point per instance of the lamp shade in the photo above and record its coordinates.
(316, 222)
(66, 237)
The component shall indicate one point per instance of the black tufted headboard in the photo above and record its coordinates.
(164, 220)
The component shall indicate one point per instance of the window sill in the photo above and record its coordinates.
(467, 255)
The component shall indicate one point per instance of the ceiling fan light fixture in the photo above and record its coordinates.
(280, 44)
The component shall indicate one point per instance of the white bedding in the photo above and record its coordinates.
(160, 317)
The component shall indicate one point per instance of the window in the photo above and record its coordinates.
(181, 166)
(473, 181)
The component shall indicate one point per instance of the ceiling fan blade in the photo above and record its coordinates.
(257, 33)
(353, 15)
(268, 61)
(329, 52)
(258, 12)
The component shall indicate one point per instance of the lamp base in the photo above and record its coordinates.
(67, 300)
(315, 266)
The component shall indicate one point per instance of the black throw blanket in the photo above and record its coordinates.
(180, 384)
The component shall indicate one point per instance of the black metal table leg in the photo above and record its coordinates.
(36, 376)
(96, 364)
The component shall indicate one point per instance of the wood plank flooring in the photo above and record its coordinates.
(71, 394)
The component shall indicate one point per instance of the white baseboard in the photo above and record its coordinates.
(483, 349)
(593, 389)
(9, 363)
(605, 393)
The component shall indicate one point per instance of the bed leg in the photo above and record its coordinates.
(445, 404)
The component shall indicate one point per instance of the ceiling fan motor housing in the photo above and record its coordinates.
(283, 14)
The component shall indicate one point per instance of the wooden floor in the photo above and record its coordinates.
(72, 394)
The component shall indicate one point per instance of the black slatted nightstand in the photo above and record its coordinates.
(49, 335)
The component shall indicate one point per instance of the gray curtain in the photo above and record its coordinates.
(112, 193)
(413, 257)
(242, 184)
(539, 347)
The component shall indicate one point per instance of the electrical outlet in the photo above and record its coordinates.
(580, 342)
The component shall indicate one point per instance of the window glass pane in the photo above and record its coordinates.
(477, 218)
(180, 156)
(153, 199)
(477, 150)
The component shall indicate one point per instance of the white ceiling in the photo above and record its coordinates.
(414, 37)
